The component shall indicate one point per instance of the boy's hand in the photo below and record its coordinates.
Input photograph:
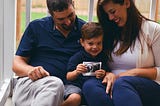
(81, 68)
(100, 73)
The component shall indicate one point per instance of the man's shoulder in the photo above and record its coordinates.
(80, 21)
(43, 21)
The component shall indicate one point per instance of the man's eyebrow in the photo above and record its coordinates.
(61, 18)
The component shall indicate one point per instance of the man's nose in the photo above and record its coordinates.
(67, 21)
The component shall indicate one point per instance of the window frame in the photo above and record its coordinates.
(8, 40)
(7, 46)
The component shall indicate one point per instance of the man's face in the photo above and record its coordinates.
(65, 20)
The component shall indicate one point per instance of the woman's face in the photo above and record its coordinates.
(117, 12)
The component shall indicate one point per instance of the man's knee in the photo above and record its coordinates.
(51, 81)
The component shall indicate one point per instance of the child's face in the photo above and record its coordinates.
(93, 46)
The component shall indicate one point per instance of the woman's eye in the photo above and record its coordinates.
(112, 12)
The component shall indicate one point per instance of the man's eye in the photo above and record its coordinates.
(60, 19)
(70, 15)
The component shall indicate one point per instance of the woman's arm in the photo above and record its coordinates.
(156, 50)
(141, 72)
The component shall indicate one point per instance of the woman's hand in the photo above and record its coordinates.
(127, 73)
(150, 73)
(109, 79)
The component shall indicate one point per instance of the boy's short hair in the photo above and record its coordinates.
(91, 29)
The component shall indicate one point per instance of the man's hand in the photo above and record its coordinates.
(37, 72)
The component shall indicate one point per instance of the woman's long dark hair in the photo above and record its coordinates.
(113, 33)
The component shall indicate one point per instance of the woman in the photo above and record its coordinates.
(133, 45)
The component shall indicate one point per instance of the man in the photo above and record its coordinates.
(42, 56)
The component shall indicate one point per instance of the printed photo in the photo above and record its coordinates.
(92, 67)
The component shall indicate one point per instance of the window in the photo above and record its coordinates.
(149, 8)
(7, 35)
(85, 9)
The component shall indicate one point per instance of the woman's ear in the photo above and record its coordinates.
(127, 3)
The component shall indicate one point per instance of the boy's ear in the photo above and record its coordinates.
(81, 41)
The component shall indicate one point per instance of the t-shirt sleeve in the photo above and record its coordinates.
(73, 62)
(27, 42)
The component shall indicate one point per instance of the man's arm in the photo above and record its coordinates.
(22, 69)
(20, 66)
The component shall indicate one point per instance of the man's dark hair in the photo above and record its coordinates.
(58, 5)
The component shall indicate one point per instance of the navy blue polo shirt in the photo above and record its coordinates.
(47, 47)
(82, 56)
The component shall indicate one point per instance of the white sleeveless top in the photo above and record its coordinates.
(125, 61)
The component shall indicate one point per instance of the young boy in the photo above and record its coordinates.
(92, 51)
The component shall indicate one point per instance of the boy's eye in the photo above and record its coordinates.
(99, 43)
(90, 44)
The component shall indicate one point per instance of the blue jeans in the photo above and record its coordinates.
(95, 93)
(136, 91)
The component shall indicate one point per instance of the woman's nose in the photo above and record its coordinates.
(111, 16)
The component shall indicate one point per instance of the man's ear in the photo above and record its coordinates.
(127, 3)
